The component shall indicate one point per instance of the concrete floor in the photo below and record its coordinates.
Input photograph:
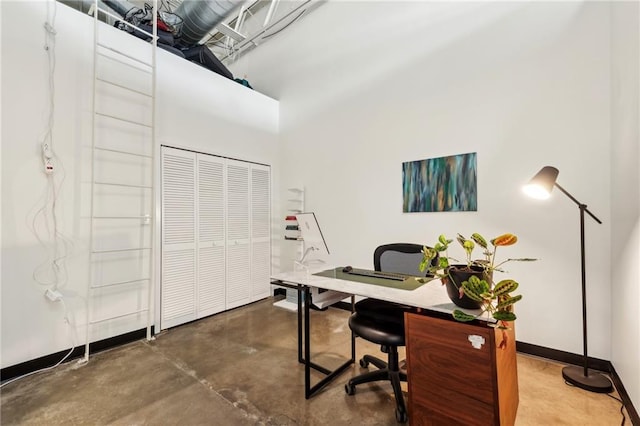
(239, 368)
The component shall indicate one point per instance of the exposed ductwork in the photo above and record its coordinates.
(120, 6)
(202, 30)
(201, 16)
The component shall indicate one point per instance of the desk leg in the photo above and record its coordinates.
(353, 335)
(307, 346)
(300, 359)
(304, 296)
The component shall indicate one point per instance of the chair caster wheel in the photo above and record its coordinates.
(349, 389)
(364, 363)
(401, 416)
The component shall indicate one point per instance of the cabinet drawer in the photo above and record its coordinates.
(445, 408)
(442, 357)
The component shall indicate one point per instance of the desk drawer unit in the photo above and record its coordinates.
(455, 373)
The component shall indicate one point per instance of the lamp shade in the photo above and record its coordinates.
(542, 183)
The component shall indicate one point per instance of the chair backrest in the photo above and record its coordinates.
(401, 258)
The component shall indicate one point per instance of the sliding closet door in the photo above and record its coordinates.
(260, 232)
(238, 253)
(178, 289)
(211, 236)
(216, 244)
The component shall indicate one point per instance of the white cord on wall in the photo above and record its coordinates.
(43, 223)
(50, 47)
(42, 220)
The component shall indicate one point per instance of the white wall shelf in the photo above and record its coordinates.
(295, 204)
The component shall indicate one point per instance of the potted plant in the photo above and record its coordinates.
(471, 285)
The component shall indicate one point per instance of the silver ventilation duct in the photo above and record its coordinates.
(201, 16)
(120, 6)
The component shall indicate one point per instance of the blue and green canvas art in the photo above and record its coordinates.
(443, 184)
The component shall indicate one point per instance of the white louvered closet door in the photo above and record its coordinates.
(260, 232)
(178, 287)
(238, 288)
(211, 235)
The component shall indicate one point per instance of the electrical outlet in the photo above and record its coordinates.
(53, 295)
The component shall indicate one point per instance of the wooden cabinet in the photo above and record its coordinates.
(458, 373)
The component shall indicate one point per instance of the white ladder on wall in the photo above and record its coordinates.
(120, 285)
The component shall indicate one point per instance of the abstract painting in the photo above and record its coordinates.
(443, 184)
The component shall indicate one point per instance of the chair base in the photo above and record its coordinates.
(394, 375)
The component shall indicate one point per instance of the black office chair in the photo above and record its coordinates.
(383, 322)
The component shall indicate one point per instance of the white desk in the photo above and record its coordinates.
(430, 296)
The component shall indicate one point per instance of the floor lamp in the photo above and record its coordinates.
(540, 187)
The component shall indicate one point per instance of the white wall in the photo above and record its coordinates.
(365, 86)
(625, 194)
(197, 109)
(32, 327)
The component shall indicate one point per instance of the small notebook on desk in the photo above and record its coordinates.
(384, 279)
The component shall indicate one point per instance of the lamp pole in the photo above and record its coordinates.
(540, 187)
(583, 208)
(583, 377)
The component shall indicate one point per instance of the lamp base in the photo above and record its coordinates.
(594, 382)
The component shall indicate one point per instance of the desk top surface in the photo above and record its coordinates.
(432, 295)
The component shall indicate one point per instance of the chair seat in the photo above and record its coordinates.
(382, 310)
(376, 331)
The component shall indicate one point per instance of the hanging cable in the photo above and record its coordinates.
(50, 48)
(42, 219)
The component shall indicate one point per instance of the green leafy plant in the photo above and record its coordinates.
(494, 298)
